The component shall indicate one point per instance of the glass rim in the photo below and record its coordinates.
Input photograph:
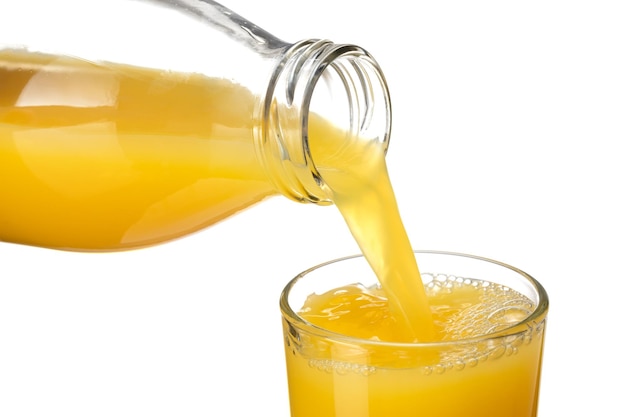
(519, 327)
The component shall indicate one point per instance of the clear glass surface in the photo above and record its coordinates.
(491, 367)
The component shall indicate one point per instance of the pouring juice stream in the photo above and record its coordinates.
(99, 156)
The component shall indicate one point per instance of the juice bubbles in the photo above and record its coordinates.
(346, 358)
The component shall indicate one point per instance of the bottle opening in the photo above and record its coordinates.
(325, 106)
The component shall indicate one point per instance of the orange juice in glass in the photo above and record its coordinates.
(485, 360)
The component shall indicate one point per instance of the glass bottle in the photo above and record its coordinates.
(125, 123)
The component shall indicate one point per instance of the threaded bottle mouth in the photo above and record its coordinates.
(317, 80)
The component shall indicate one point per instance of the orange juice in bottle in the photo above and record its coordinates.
(123, 141)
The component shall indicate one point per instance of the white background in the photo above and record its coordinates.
(509, 124)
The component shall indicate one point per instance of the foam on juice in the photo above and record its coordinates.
(461, 309)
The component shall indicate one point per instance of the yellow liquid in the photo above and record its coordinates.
(497, 378)
(103, 157)
(100, 156)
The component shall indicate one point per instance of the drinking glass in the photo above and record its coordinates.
(488, 365)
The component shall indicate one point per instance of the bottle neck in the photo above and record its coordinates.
(341, 84)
